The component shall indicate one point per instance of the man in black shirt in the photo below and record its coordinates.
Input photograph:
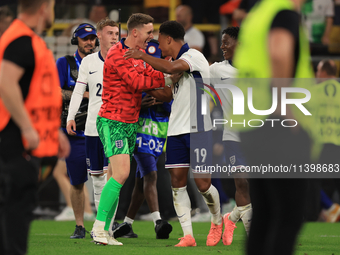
(29, 108)
(274, 224)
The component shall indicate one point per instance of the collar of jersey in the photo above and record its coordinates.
(100, 56)
(184, 49)
(123, 44)
(78, 57)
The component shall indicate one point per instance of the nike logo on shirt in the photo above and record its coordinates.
(92, 72)
(224, 78)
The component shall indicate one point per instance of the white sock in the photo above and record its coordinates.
(155, 216)
(128, 220)
(182, 206)
(235, 215)
(98, 224)
(212, 199)
(246, 213)
(98, 185)
(331, 208)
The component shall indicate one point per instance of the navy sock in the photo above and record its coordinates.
(326, 202)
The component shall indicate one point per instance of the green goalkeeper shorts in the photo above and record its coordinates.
(117, 137)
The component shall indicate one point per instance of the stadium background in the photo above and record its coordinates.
(69, 13)
(74, 12)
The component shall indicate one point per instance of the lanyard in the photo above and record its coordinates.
(77, 62)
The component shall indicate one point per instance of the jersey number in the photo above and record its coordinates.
(99, 91)
(203, 153)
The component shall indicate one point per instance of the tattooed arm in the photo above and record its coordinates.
(66, 94)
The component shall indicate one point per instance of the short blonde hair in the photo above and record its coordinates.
(105, 22)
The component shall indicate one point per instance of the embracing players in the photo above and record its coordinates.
(189, 134)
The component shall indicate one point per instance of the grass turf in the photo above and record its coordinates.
(53, 238)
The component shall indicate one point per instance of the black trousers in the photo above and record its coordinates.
(279, 202)
(278, 208)
(18, 191)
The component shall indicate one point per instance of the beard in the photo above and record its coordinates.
(85, 51)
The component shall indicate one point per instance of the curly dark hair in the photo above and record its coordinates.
(173, 29)
(232, 32)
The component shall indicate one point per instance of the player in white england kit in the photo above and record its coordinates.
(223, 73)
(189, 141)
(91, 75)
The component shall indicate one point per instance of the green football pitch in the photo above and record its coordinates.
(53, 238)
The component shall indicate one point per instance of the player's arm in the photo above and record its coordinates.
(128, 73)
(10, 91)
(77, 97)
(159, 64)
(164, 95)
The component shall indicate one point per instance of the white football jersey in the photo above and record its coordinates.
(189, 97)
(91, 74)
(223, 73)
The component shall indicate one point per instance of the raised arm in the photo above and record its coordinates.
(128, 73)
(159, 64)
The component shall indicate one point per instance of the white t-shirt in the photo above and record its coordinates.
(314, 17)
(185, 116)
(194, 38)
(91, 74)
(221, 73)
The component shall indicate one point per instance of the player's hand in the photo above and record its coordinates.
(133, 53)
(31, 138)
(148, 101)
(64, 146)
(71, 127)
(176, 77)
